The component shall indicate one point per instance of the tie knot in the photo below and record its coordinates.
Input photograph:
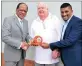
(21, 21)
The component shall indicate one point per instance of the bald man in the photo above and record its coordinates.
(48, 27)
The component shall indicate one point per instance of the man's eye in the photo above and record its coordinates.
(66, 11)
(23, 10)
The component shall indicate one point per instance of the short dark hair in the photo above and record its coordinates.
(66, 5)
(20, 4)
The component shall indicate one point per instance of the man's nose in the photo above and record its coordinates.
(23, 12)
(64, 14)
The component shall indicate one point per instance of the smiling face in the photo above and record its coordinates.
(21, 11)
(66, 13)
(42, 10)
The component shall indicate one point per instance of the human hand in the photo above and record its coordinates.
(24, 46)
(45, 45)
(32, 43)
(55, 54)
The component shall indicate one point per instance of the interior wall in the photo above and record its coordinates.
(8, 9)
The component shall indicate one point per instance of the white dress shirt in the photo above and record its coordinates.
(49, 30)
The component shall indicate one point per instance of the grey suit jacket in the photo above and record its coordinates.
(12, 36)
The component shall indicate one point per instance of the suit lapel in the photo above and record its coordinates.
(68, 27)
(17, 23)
(24, 26)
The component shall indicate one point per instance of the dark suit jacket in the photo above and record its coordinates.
(71, 45)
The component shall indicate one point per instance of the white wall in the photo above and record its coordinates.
(8, 9)
(42, 0)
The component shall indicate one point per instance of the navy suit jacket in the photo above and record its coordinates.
(71, 45)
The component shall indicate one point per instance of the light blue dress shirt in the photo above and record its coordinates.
(64, 27)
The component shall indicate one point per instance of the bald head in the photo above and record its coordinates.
(41, 4)
(42, 10)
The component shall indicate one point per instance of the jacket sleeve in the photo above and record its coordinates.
(74, 36)
(28, 37)
(6, 34)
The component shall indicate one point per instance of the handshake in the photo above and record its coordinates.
(36, 41)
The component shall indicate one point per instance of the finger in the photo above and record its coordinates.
(55, 54)
(27, 45)
(34, 45)
(58, 54)
(25, 48)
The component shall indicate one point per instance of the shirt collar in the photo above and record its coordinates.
(49, 15)
(18, 18)
(69, 19)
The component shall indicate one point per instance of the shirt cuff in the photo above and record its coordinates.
(20, 46)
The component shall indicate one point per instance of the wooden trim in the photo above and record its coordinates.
(2, 59)
(26, 63)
